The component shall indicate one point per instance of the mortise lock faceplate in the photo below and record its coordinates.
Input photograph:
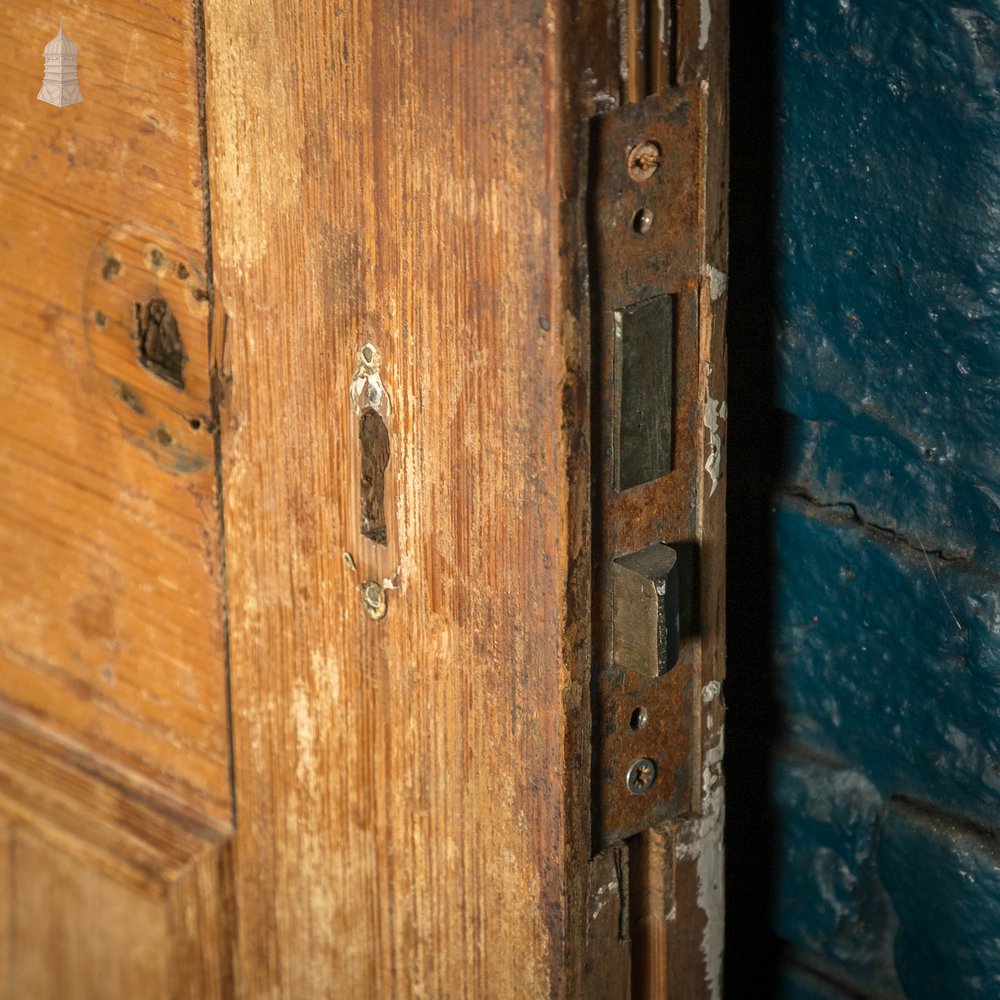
(644, 212)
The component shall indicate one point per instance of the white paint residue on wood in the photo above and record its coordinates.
(706, 23)
(714, 413)
(718, 281)
(603, 896)
(701, 841)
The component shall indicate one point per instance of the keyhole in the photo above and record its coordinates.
(374, 458)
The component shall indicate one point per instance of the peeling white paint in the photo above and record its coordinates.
(714, 412)
(600, 100)
(603, 896)
(706, 23)
(718, 281)
(701, 841)
(710, 691)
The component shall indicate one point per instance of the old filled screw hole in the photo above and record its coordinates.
(373, 599)
(642, 221)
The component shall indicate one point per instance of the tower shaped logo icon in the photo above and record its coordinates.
(60, 86)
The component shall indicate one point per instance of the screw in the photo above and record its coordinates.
(640, 776)
(373, 599)
(644, 160)
(642, 221)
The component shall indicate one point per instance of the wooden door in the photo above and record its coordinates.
(303, 581)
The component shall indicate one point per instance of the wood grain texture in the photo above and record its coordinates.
(6, 898)
(607, 972)
(60, 940)
(407, 818)
(111, 624)
(108, 893)
(651, 906)
(695, 934)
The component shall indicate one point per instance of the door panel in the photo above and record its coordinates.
(110, 591)
(299, 367)
(387, 175)
(106, 893)
(115, 797)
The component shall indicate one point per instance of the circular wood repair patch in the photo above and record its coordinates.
(145, 321)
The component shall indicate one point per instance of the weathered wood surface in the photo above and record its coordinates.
(111, 626)
(114, 756)
(408, 789)
(106, 894)
(411, 792)
(695, 933)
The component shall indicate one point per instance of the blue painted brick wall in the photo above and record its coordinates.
(887, 521)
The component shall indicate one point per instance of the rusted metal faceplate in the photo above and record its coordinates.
(631, 263)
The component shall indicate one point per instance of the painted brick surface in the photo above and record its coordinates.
(831, 904)
(887, 532)
(944, 880)
(889, 228)
(889, 659)
(800, 984)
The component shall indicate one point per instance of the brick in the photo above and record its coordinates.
(891, 483)
(830, 902)
(889, 659)
(797, 983)
(944, 881)
(889, 288)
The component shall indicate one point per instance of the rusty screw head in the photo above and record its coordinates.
(642, 221)
(373, 599)
(640, 775)
(644, 160)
